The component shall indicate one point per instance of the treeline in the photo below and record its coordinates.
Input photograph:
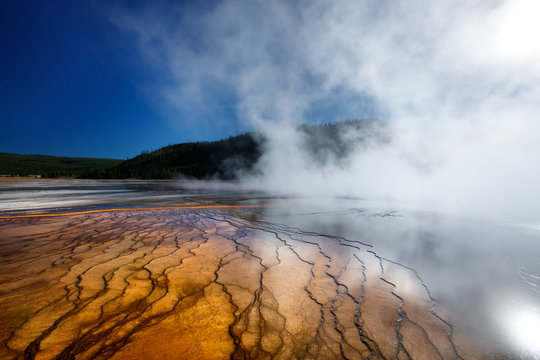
(50, 166)
(220, 159)
(335, 141)
(223, 159)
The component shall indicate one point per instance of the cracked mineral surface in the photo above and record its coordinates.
(209, 285)
(222, 281)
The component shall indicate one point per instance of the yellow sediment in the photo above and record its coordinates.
(160, 284)
(133, 209)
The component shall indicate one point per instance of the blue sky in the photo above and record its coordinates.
(114, 78)
(73, 84)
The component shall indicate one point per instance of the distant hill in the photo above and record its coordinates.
(50, 166)
(224, 159)
(220, 159)
(335, 141)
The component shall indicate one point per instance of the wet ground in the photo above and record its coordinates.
(255, 276)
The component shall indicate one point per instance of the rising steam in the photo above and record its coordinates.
(456, 82)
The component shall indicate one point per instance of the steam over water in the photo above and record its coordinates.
(454, 192)
(425, 244)
(456, 82)
(483, 277)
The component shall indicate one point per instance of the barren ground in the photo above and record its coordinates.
(207, 284)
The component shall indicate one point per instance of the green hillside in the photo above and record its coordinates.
(226, 158)
(221, 159)
(50, 166)
(334, 142)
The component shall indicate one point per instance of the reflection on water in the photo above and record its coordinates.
(523, 322)
(485, 275)
(45, 195)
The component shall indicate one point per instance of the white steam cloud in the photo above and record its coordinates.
(457, 82)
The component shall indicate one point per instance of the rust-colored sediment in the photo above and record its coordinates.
(199, 284)
(132, 209)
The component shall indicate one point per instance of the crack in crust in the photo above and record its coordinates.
(204, 284)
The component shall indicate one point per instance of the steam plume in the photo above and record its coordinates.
(456, 82)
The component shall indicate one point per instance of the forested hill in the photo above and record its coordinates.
(50, 166)
(224, 159)
(221, 159)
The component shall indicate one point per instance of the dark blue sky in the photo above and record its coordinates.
(113, 78)
(73, 84)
